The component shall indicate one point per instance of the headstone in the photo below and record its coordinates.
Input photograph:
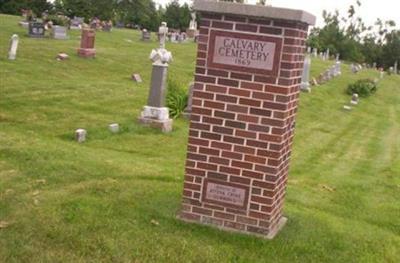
(87, 49)
(59, 32)
(395, 70)
(354, 99)
(354, 68)
(321, 78)
(192, 30)
(62, 56)
(146, 36)
(155, 114)
(348, 108)
(174, 37)
(80, 135)
(327, 54)
(374, 65)
(188, 109)
(36, 29)
(332, 71)
(12, 51)
(24, 24)
(338, 70)
(308, 50)
(314, 82)
(337, 57)
(305, 79)
(137, 78)
(315, 52)
(327, 75)
(114, 127)
(107, 26)
(381, 74)
(321, 55)
(237, 164)
(76, 23)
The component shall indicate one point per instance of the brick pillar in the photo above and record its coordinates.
(247, 82)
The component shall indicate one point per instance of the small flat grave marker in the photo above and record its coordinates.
(137, 78)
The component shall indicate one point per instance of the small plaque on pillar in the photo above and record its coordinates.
(244, 52)
(226, 194)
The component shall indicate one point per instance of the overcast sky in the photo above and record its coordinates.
(370, 10)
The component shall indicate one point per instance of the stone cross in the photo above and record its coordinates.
(162, 32)
(12, 52)
(193, 22)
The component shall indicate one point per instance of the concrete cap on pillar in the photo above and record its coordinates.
(212, 6)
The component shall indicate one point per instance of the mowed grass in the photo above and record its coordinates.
(96, 201)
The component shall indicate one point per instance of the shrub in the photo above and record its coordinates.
(363, 87)
(177, 99)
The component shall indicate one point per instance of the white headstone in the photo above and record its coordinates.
(12, 52)
(80, 135)
(193, 23)
(114, 127)
(354, 99)
(315, 52)
(305, 79)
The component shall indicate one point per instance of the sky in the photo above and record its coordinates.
(369, 11)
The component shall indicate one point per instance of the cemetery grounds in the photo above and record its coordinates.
(115, 197)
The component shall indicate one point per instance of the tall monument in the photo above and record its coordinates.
(155, 114)
(247, 82)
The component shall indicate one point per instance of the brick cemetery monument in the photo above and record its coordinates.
(12, 51)
(247, 83)
(87, 49)
(155, 114)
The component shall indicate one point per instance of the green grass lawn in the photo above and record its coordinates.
(96, 201)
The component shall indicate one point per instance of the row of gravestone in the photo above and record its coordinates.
(333, 71)
(86, 48)
(173, 37)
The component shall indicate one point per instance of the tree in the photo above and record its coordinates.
(14, 7)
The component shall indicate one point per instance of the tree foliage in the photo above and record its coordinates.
(14, 7)
(354, 41)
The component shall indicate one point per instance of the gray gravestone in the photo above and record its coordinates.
(338, 70)
(305, 79)
(155, 113)
(188, 109)
(60, 32)
(12, 51)
(315, 52)
(395, 68)
(36, 29)
(146, 35)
